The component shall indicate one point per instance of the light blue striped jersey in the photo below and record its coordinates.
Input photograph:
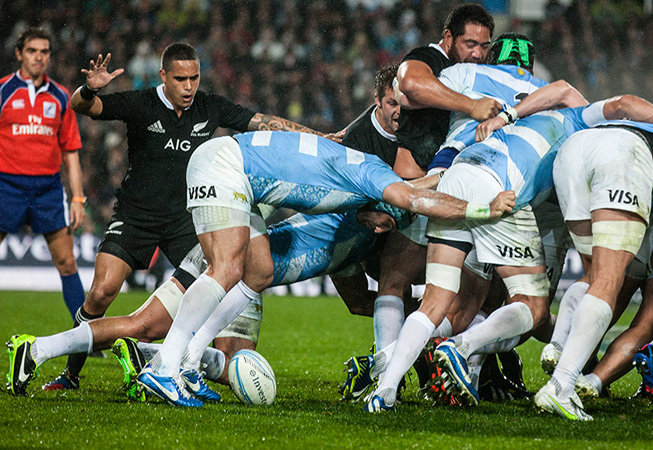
(311, 174)
(506, 84)
(305, 246)
(521, 155)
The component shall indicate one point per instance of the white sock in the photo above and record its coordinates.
(388, 320)
(229, 308)
(212, 364)
(590, 321)
(474, 366)
(200, 300)
(76, 340)
(382, 358)
(499, 347)
(594, 381)
(443, 330)
(506, 322)
(413, 336)
(568, 304)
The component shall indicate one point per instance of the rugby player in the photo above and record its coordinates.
(227, 176)
(164, 125)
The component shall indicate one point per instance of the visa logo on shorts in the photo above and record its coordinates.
(515, 252)
(200, 192)
(621, 196)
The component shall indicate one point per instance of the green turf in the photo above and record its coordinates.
(306, 342)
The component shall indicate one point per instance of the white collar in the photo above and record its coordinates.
(438, 47)
(164, 99)
(31, 89)
(380, 129)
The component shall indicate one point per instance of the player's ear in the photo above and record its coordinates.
(162, 73)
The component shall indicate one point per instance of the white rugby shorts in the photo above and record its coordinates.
(555, 239)
(603, 168)
(510, 241)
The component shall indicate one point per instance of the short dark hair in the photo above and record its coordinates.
(468, 13)
(178, 51)
(513, 49)
(383, 79)
(30, 33)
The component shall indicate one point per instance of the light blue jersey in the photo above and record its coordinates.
(506, 84)
(305, 246)
(311, 174)
(521, 155)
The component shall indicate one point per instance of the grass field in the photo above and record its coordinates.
(306, 342)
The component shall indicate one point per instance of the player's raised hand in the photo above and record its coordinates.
(485, 129)
(97, 75)
(502, 203)
(485, 108)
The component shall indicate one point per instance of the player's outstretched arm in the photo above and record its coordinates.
(558, 94)
(266, 122)
(84, 100)
(445, 207)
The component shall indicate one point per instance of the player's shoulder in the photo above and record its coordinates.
(6, 78)
(431, 55)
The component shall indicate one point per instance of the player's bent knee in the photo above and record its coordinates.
(443, 276)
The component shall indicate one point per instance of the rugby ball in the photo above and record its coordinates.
(251, 378)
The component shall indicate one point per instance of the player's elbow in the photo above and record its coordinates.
(624, 106)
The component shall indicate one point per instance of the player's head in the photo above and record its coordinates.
(381, 217)
(514, 49)
(180, 73)
(467, 33)
(33, 52)
(384, 97)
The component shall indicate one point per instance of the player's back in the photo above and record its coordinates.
(311, 174)
(506, 84)
(304, 246)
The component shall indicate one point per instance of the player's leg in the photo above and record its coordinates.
(60, 244)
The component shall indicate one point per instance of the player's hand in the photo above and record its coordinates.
(486, 128)
(485, 108)
(502, 203)
(337, 136)
(97, 75)
(77, 215)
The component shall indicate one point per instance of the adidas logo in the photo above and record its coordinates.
(156, 127)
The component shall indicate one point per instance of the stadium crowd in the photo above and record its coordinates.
(311, 62)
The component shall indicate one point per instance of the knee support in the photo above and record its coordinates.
(618, 235)
(530, 284)
(443, 276)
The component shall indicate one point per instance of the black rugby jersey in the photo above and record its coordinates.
(366, 135)
(422, 131)
(159, 144)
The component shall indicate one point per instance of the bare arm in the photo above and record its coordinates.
(97, 77)
(265, 122)
(628, 107)
(74, 171)
(423, 89)
(445, 207)
(405, 165)
(559, 94)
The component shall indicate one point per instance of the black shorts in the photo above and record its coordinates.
(134, 238)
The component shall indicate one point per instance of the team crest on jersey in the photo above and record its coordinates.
(198, 127)
(18, 104)
(49, 110)
(240, 197)
(156, 127)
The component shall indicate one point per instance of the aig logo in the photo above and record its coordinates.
(178, 144)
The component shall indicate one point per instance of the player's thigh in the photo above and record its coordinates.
(402, 261)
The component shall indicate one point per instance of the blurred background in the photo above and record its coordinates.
(310, 61)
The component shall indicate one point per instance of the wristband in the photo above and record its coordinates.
(79, 199)
(477, 212)
(509, 116)
(87, 93)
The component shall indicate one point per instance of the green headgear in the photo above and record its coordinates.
(402, 217)
(512, 48)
